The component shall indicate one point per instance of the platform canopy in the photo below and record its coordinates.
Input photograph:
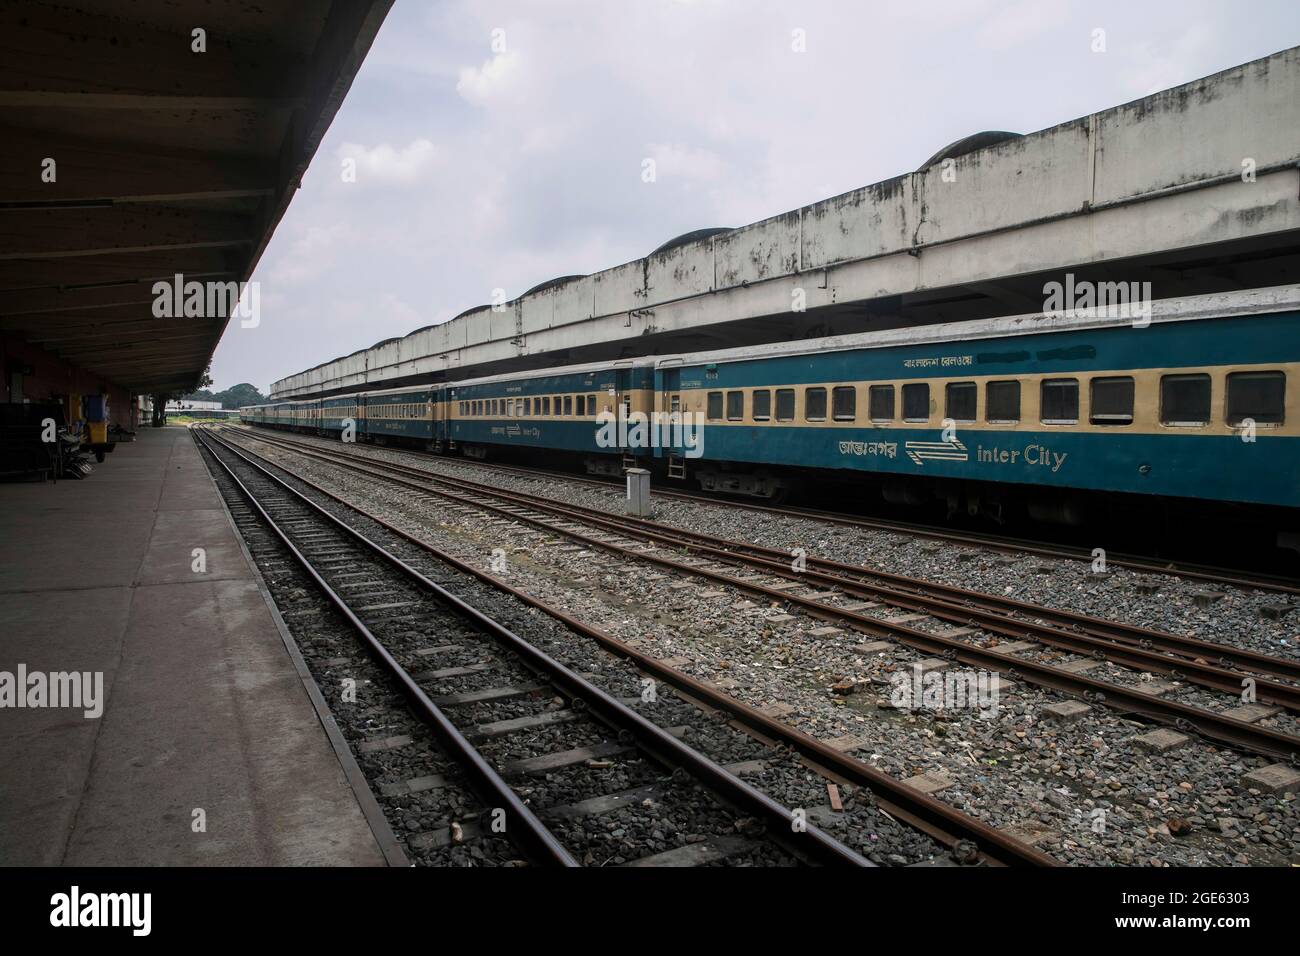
(166, 159)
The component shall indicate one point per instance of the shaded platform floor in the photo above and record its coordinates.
(203, 707)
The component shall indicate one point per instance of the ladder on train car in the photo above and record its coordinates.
(676, 466)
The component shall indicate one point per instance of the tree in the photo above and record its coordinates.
(237, 396)
(160, 401)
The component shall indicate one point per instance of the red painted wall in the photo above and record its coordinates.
(56, 378)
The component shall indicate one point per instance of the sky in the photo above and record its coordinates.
(496, 145)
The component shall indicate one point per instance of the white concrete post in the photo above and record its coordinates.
(638, 492)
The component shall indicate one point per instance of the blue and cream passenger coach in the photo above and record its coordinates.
(1188, 400)
(1191, 402)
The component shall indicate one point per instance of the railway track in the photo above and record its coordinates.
(1004, 544)
(843, 594)
(968, 838)
(386, 599)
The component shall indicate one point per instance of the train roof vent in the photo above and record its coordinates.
(969, 144)
(552, 283)
(694, 236)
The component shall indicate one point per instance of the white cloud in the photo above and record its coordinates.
(389, 164)
(480, 84)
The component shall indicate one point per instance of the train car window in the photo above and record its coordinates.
(814, 404)
(762, 405)
(844, 403)
(546, 404)
(1259, 396)
(735, 406)
(880, 403)
(785, 404)
(1060, 401)
(960, 399)
(916, 402)
(1184, 399)
(714, 410)
(1002, 401)
(591, 405)
(568, 405)
(1111, 401)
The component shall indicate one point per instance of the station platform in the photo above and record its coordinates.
(205, 715)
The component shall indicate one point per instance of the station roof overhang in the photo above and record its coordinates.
(165, 160)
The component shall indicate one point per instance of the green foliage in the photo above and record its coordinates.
(237, 396)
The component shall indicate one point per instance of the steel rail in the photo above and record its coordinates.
(535, 837)
(803, 838)
(1141, 637)
(1237, 733)
(931, 816)
(1129, 645)
(1001, 543)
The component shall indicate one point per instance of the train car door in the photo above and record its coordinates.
(439, 414)
(668, 395)
(621, 406)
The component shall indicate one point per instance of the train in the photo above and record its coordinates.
(1188, 401)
